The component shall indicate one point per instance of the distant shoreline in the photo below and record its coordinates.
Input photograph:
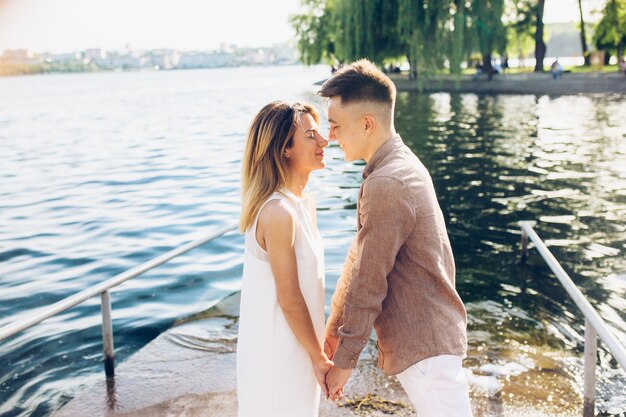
(40, 71)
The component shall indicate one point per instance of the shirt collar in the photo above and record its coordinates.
(389, 145)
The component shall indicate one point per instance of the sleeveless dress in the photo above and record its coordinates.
(275, 376)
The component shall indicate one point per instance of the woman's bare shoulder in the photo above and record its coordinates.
(277, 213)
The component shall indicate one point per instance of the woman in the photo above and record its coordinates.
(280, 354)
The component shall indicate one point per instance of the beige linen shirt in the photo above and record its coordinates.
(399, 273)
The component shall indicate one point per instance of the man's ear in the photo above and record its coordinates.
(369, 124)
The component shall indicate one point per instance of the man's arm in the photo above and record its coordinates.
(387, 217)
(335, 319)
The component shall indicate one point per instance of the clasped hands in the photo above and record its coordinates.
(333, 379)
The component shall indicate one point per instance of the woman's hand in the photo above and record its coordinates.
(321, 366)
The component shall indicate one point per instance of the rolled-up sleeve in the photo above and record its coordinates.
(386, 218)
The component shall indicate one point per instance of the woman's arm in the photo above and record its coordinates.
(276, 233)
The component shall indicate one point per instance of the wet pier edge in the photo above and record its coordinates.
(189, 370)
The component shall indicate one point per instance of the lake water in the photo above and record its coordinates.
(100, 172)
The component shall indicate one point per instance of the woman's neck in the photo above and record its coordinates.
(297, 183)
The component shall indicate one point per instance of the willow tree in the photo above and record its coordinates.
(421, 26)
(490, 32)
(520, 18)
(347, 30)
(368, 29)
(459, 42)
(316, 32)
(427, 32)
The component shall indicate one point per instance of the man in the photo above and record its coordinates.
(399, 273)
(556, 69)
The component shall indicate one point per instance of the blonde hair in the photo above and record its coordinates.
(264, 165)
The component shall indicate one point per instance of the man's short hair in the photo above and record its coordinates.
(360, 81)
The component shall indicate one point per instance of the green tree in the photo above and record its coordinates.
(428, 33)
(369, 29)
(421, 25)
(520, 18)
(316, 31)
(610, 34)
(486, 18)
(337, 31)
(460, 39)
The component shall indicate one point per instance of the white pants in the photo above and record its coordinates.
(437, 387)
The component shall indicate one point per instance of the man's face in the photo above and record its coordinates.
(346, 128)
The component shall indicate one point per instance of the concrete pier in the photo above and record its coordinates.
(189, 371)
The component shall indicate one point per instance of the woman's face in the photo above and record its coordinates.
(307, 152)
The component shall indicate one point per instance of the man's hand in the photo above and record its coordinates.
(330, 345)
(336, 378)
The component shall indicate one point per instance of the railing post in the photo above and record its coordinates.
(524, 246)
(591, 349)
(107, 334)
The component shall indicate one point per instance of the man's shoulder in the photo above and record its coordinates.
(401, 165)
(383, 183)
(388, 187)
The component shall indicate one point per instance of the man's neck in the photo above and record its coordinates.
(378, 140)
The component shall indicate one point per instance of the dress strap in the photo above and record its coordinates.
(252, 244)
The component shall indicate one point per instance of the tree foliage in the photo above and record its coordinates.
(316, 31)
(610, 34)
(520, 23)
(429, 34)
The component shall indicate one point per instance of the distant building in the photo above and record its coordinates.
(163, 58)
(95, 54)
(285, 54)
(16, 54)
(189, 60)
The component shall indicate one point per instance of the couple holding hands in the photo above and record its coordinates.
(398, 277)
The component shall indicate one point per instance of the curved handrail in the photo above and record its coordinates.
(615, 347)
(594, 324)
(78, 298)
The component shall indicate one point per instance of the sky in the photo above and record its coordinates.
(68, 25)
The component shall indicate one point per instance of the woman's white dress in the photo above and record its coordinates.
(275, 375)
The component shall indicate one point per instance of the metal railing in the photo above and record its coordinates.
(594, 324)
(102, 289)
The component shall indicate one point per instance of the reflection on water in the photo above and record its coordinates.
(94, 184)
